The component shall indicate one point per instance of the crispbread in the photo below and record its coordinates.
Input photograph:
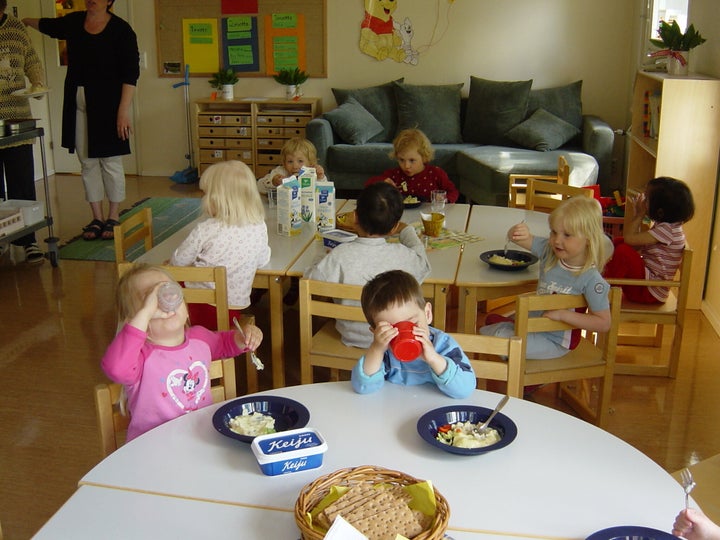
(353, 498)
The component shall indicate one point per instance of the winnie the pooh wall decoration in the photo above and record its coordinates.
(385, 38)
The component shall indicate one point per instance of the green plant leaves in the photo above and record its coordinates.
(291, 76)
(224, 76)
(671, 37)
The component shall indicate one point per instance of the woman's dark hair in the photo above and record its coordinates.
(379, 208)
(669, 200)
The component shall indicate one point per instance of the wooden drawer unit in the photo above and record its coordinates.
(250, 130)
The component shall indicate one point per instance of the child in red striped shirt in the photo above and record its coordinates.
(654, 253)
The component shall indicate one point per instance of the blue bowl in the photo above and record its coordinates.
(428, 424)
(628, 532)
(288, 414)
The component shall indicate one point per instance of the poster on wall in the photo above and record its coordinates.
(240, 43)
(284, 42)
(200, 45)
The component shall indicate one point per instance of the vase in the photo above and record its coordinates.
(675, 65)
(228, 92)
(291, 91)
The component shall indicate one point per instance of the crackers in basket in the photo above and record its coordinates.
(379, 512)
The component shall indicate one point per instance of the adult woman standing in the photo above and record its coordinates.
(19, 60)
(103, 68)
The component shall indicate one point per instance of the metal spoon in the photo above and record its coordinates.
(509, 241)
(255, 360)
(486, 423)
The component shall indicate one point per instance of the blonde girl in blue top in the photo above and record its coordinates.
(570, 263)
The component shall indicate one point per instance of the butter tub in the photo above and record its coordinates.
(335, 237)
(289, 451)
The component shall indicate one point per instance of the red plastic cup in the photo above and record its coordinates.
(404, 346)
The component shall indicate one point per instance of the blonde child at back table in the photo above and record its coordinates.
(234, 236)
(296, 153)
(570, 263)
(414, 176)
(162, 362)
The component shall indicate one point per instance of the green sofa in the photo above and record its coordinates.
(501, 128)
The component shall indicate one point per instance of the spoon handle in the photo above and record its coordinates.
(500, 405)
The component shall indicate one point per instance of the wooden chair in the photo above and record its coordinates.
(132, 230)
(483, 353)
(517, 183)
(324, 347)
(590, 359)
(546, 196)
(216, 296)
(670, 313)
(113, 418)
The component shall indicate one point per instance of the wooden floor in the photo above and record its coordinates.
(56, 322)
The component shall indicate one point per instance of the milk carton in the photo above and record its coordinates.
(289, 222)
(307, 178)
(324, 205)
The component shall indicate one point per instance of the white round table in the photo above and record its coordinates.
(561, 478)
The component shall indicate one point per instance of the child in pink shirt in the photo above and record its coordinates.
(163, 363)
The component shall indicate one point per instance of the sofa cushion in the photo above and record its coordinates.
(433, 109)
(353, 122)
(378, 101)
(543, 131)
(563, 101)
(494, 107)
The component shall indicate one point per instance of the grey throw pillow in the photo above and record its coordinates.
(433, 109)
(563, 101)
(542, 131)
(378, 101)
(353, 122)
(493, 108)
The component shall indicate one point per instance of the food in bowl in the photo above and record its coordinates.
(500, 259)
(252, 424)
(466, 435)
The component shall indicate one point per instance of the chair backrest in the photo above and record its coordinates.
(517, 183)
(132, 230)
(593, 358)
(190, 274)
(671, 312)
(324, 347)
(542, 195)
(111, 411)
(494, 358)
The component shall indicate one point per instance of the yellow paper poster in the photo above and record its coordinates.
(201, 45)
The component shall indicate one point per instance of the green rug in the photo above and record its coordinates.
(169, 215)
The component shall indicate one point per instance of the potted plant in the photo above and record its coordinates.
(224, 80)
(292, 79)
(676, 45)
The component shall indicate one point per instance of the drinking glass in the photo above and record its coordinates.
(438, 198)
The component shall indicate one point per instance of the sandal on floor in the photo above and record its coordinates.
(93, 230)
(108, 231)
(33, 254)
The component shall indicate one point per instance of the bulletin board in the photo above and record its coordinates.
(279, 31)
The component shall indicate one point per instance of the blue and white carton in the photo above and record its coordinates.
(289, 451)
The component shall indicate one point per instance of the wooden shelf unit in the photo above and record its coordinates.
(252, 130)
(687, 148)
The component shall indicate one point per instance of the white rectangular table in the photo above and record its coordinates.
(560, 478)
(476, 280)
(443, 262)
(285, 250)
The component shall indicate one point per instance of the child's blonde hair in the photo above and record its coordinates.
(231, 194)
(300, 145)
(413, 139)
(581, 216)
(128, 296)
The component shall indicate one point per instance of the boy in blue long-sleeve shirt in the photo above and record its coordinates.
(392, 297)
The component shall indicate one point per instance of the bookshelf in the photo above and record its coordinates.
(686, 147)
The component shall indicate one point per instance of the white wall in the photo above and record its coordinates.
(706, 59)
(553, 42)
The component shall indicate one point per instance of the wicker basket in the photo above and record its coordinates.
(316, 491)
